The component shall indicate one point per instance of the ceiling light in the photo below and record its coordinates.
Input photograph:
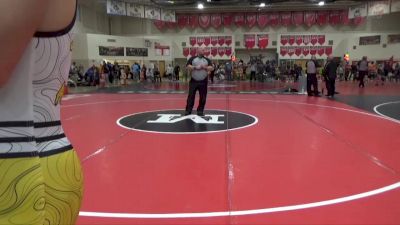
(208, 0)
(262, 4)
(170, 2)
(200, 6)
(321, 3)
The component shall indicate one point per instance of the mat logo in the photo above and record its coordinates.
(175, 118)
(174, 121)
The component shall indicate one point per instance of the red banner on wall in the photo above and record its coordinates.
(322, 18)
(200, 41)
(193, 51)
(321, 39)
(306, 39)
(297, 50)
(298, 18)
(284, 39)
(228, 51)
(204, 20)
(262, 20)
(227, 19)
(221, 40)
(159, 24)
(228, 40)
(221, 51)
(309, 18)
(313, 50)
(171, 25)
(214, 51)
(207, 51)
(249, 40)
(299, 39)
(216, 20)
(286, 18)
(251, 19)
(334, 17)
(314, 39)
(207, 41)
(185, 51)
(306, 51)
(344, 17)
(321, 50)
(328, 50)
(193, 21)
(283, 51)
(182, 20)
(192, 41)
(290, 51)
(292, 39)
(238, 19)
(262, 40)
(274, 19)
(214, 40)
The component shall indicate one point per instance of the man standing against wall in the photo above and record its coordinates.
(312, 66)
(198, 67)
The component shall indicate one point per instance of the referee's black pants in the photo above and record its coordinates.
(201, 86)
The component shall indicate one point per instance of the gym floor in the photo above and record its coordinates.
(306, 160)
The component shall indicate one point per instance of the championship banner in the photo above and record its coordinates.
(228, 51)
(185, 51)
(116, 7)
(262, 40)
(292, 39)
(214, 40)
(309, 18)
(321, 39)
(274, 19)
(283, 51)
(298, 18)
(378, 8)
(262, 19)
(321, 50)
(313, 50)
(314, 39)
(344, 17)
(228, 40)
(159, 24)
(152, 13)
(170, 25)
(182, 21)
(328, 50)
(286, 18)
(239, 19)
(290, 51)
(284, 39)
(214, 51)
(207, 51)
(221, 40)
(250, 40)
(251, 19)
(299, 39)
(207, 41)
(297, 51)
(192, 41)
(322, 18)
(334, 17)
(200, 41)
(193, 51)
(306, 39)
(193, 21)
(204, 20)
(227, 19)
(168, 15)
(306, 51)
(358, 11)
(134, 10)
(216, 21)
(221, 51)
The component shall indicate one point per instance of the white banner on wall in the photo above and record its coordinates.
(395, 6)
(167, 15)
(377, 8)
(358, 11)
(116, 7)
(152, 13)
(134, 10)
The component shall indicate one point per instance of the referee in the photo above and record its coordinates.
(199, 67)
